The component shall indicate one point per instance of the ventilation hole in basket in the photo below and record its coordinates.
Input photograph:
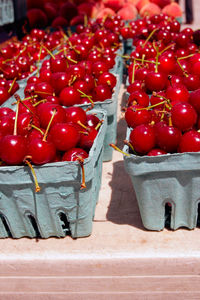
(64, 223)
(3, 219)
(168, 211)
(35, 226)
(198, 215)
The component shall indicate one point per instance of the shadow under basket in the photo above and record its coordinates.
(61, 208)
(167, 188)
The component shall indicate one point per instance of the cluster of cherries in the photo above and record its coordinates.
(45, 133)
(163, 106)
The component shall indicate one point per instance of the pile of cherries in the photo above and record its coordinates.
(163, 107)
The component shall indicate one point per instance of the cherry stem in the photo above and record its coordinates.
(159, 96)
(99, 124)
(130, 145)
(184, 72)
(13, 82)
(49, 52)
(148, 38)
(133, 72)
(70, 59)
(89, 98)
(37, 128)
(37, 187)
(166, 48)
(26, 106)
(185, 57)
(119, 150)
(82, 125)
(48, 127)
(16, 114)
(170, 121)
(39, 102)
(81, 162)
(145, 60)
(45, 93)
(38, 62)
(85, 20)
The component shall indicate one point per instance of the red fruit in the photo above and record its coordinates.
(45, 112)
(92, 121)
(155, 81)
(76, 115)
(177, 92)
(87, 138)
(192, 82)
(6, 125)
(40, 151)
(58, 64)
(45, 75)
(64, 136)
(167, 137)
(156, 151)
(190, 142)
(74, 154)
(184, 116)
(194, 100)
(136, 115)
(37, 18)
(4, 95)
(43, 89)
(59, 80)
(59, 22)
(68, 10)
(24, 123)
(107, 78)
(142, 138)
(13, 149)
(138, 97)
(5, 111)
(69, 96)
(101, 93)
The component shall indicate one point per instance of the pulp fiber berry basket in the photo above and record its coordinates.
(170, 180)
(61, 208)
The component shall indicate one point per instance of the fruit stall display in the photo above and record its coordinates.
(71, 75)
(162, 116)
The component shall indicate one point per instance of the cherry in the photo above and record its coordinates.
(13, 149)
(155, 81)
(59, 80)
(194, 100)
(136, 115)
(5, 111)
(74, 154)
(87, 138)
(137, 85)
(156, 151)
(45, 75)
(142, 138)
(177, 92)
(192, 82)
(82, 86)
(41, 151)
(101, 93)
(167, 137)
(4, 95)
(6, 125)
(24, 123)
(64, 136)
(69, 96)
(43, 89)
(92, 120)
(184, 116)
(58, 64)
(45, 112)
(190, 142)
(107, 78)
(76, 115)
(99, 68)
(138, 97)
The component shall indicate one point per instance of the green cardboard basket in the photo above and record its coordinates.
(61, 208)
(160, 180)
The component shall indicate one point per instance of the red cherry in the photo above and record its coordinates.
(13, 149)
(40, 151)
(69, 96)
(4, 95)
(74, 154)
(177, 92)
(107, 78)
(138, 97)
(156, 151)
(192, 82)
(24, 123)
(87, 138)
(64, 136)
(142, 138)
(167, 137)
(45, 112)
(194, 100)
(59, 80)
(76, 115)
(190, 142)
(92, 120)
(101, 93)
(155, 81)
(58, 64)
(6, 125)
(43, 89)
(184, 116)
(136, 115)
